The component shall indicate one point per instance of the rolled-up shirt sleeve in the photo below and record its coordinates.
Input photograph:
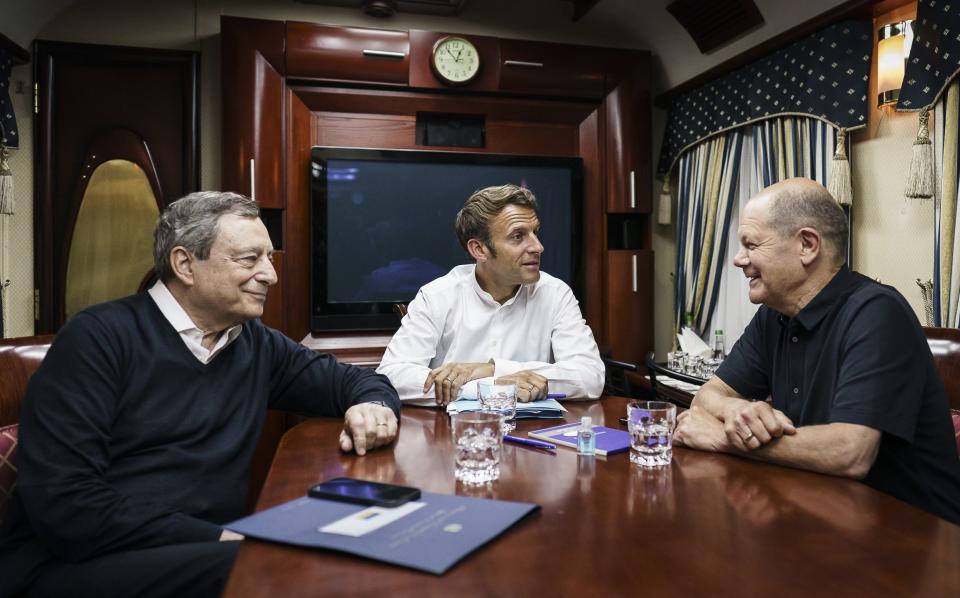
(577, 370)
(406, 361)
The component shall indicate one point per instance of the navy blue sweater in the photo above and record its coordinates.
(128, 441)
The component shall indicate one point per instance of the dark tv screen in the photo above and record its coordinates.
(383, 224)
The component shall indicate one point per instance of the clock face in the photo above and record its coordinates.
(455, 60)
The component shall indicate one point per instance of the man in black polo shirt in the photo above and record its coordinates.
(854, 389)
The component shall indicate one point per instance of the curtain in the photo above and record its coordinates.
(773, 150)
(707, 187)
(824, 75)
(791, 147)
(946, 254)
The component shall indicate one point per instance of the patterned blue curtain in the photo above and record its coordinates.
(946, 269)
(8, 123)
(824, 75)
(934, 54)
(707, 185)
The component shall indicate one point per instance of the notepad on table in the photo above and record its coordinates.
(609, 440)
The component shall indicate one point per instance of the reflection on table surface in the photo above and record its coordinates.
(707, 524)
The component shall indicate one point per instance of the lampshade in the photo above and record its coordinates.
(893, 47)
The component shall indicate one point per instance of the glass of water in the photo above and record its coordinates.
(500, 398)
(651, 425)
(477, 439)
(675, 360)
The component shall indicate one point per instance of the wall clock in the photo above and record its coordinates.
(455, 60)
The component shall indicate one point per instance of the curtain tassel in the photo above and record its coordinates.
(664, 208)
(920, 175)
(6, 183)
(839, 182)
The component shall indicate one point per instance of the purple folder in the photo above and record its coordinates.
(609, 440)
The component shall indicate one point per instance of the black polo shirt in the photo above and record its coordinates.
(857, 354)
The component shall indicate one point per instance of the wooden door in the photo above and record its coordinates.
(117, 128)
(628, 309)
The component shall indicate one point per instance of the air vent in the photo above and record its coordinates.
(715, 23)
(381, 7)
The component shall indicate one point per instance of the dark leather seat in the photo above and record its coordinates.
(945, 346)
(19, 359)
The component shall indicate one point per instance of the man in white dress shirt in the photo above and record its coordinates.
(499, 317)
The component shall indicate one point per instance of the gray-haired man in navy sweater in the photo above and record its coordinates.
(138, 429)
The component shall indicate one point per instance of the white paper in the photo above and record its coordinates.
(691, 344)
(368, 520)
(471, 389)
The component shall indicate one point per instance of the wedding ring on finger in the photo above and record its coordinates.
(748, 437)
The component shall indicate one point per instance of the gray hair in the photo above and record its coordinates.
(473, 220)
(191, 223)
(806, 203)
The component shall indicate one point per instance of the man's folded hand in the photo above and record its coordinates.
(448, 378)
(367, 426)
(750, 425)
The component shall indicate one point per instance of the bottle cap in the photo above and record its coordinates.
(586, 422)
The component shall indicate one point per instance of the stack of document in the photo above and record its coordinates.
(678, 384)
(547, 408)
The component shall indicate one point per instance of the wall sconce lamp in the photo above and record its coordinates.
(893, 48)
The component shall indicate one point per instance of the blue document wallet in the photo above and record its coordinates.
(431, 534)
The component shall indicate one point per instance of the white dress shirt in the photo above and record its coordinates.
(452, 319)
(191, 335)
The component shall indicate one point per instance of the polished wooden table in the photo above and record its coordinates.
(709, 524)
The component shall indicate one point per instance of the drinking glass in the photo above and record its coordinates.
(500, 398)
(675, 360)
(691, 365)
(651, 425)
(477, 439)
(709, 367)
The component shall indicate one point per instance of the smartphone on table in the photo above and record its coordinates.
(362, 492)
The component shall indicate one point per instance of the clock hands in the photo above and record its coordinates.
(450, 52)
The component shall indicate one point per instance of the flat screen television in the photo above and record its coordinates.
(382, 224)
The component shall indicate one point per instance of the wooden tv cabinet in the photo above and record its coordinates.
(288, 86)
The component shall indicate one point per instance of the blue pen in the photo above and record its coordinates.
(528, 442)
(557, 396)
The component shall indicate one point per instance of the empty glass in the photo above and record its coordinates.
(499, 398)
(651, 425)
(477, 439)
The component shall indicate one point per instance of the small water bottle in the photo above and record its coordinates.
(586, 439)
(719, 351)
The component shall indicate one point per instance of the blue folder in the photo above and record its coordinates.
(542, 409)
(432, 538)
